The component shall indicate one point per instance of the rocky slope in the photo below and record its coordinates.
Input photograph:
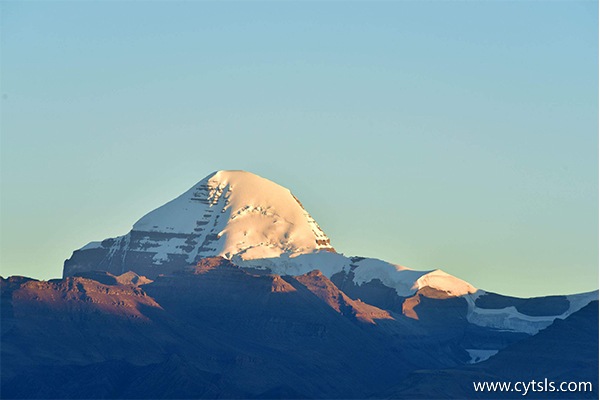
(214, 329)
(261, 226)
(232, 290)
(218, 330)
(566, 351)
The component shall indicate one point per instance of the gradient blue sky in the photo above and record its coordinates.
(460, 135)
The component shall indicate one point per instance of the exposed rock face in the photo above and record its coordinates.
(324, 289)
(216, 330)
(228, 213)
(257, 224)
(83, 294)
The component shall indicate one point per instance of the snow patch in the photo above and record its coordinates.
(445, 282)
(395, 276)
(404, 280)
(509, 318)
(407, 281)
(299, 264)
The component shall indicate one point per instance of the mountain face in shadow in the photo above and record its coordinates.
(566, 351)
(232, 290)
(216, 330)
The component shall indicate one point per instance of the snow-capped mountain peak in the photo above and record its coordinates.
(228, 213)
(239, 213)
(252, 221)
(260, 226)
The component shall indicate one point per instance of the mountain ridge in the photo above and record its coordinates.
(251, 220)
(217, 330)
(261, 226)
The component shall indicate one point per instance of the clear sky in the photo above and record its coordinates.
(458, 135)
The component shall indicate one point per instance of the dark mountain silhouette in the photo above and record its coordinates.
(215, 330)
(219, 329)
(566, 351)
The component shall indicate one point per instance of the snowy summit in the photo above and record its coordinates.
(232, 214)
(252, 221)
(238, 213)
(261, 227)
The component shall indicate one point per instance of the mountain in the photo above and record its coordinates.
(251, 220)
(232, 290)
(228, 213)
(261, 226)
(214, 328)
(566, 351)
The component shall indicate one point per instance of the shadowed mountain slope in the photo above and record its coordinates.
(218, 330)
(566, 351)
(214, 327)
(232, 290)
